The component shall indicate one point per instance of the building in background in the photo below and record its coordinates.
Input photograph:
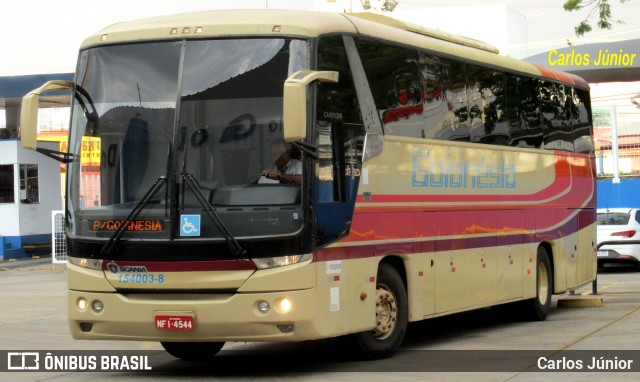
(30, 183)
(29, 191)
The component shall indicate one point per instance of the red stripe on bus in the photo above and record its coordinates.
(411, 246)
(546, 72)
(562, 76)
(422, 224)
(579, 81)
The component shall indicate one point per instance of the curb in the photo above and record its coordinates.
(581, 302)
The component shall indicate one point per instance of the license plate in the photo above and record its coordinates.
(164, 322)
(603, 253)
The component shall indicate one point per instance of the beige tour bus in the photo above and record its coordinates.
(289, 176)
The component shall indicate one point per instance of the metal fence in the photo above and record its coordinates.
(58, 241)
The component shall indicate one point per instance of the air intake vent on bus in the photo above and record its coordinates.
(425, 31)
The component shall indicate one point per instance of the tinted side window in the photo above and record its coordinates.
(527, 130)
(564, 118)
(448, 118)
(393, 76)
(419, 94)
(457, 97)
(546, 92)
(494, 129)
(434, 73)
(336, 101)
(513, 107)
(474, 101)
(556, 116)
(582, 124)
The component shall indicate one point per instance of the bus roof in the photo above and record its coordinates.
(227, 23)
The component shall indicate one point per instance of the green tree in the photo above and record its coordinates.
(601, 8)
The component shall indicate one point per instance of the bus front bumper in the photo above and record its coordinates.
(214, 317)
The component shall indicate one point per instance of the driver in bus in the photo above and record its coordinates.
(285, 169)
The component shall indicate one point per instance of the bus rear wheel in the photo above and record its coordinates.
(538, 308)
(192, 350)
(391, 316)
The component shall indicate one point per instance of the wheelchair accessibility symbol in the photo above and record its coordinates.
(189, 225)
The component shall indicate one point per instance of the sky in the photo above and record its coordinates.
(43, 36)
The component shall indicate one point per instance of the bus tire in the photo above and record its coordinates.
(192, 350)
(538, 308)
(391, 316)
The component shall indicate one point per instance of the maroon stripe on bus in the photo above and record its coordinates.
(186, 266)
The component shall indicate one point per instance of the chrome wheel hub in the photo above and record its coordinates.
(386, 313)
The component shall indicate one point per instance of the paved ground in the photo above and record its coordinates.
(33, 317)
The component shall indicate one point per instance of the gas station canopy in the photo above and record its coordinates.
(617, 61)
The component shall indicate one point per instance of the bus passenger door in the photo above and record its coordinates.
(339, 136)
(336, 181)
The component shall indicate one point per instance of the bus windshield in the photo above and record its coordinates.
(211, 109)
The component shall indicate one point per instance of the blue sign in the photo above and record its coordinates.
(189, 225)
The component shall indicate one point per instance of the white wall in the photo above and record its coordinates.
(35, 218)
(8, 226)
(8, 212)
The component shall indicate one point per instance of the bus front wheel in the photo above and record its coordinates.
(192, 350)
(391, 316)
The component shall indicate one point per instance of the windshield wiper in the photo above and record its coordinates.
(117, 234)
(235, 247)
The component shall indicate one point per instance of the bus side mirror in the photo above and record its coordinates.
(295, 101)
(29, 112)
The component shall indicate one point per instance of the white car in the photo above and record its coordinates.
(619, 225)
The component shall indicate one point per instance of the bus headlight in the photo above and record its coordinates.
(281, 261)
(81, 304)
(285, 305)
(86, 263)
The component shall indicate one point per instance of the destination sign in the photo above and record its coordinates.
(142, 225)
